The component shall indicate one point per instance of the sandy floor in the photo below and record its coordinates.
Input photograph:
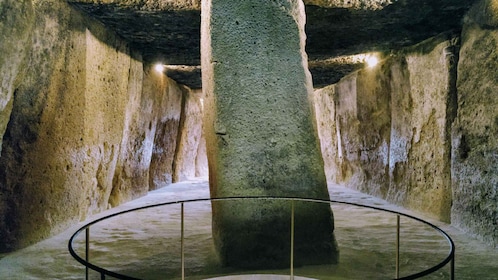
(145, 244)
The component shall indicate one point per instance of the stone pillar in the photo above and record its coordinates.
(260, 134)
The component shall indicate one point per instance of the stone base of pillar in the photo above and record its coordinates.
(256, 234)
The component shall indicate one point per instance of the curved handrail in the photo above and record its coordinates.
(103, 271)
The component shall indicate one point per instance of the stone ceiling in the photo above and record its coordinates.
(169, 30)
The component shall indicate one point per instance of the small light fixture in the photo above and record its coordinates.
(159, 68)
(371, 61)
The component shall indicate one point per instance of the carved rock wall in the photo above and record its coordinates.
(165, 129)
(327, 130)
(190, 138)
(433, 147)
(392, 128)
(86, 116)
(16, 25)
(475, 132)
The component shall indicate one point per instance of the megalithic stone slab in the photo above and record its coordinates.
(260, 133)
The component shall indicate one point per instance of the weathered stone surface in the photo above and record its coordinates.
(475, 133)
(423, 106)
(166, 99)
(363, 121)
(328, 131)
(189, 138)
(392, 128)
(24, 210)
(16, 23)
(131, 178)
(83, 126)
(260, 135)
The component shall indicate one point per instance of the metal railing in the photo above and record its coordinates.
(450, 258)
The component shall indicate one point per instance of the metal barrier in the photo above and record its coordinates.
(450, 258)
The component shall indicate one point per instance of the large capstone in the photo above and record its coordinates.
(260, 133)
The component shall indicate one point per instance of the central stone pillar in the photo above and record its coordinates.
(260, 133)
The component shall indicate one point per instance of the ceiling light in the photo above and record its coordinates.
(159, 68)
(371, 61)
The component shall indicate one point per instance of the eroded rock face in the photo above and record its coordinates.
(327, 131)
(391, 126)
(168, 108)
(44, 152)
(83, 126)
(15, 30)
(190, 139)
(423, 109)
(260, 135)
(433, 147)
(475, 133)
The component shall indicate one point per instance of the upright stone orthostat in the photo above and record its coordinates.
(260, 133)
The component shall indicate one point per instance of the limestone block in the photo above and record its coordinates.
(422, 101)
(168, 107)
(475, 132)
(393, 126)
(260, 134)
(63, 140)
(348, 134)
(131, 178)
(43, 140)
(363, 120)
(189, 138)
(15, 31)
(327, 131)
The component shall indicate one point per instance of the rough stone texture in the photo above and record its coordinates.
(16, 23)
(189, 138)
(131, 178)
(327, 130)
(167, 103)
(423, 106)
(392, 126)
(475, 132)
(82, 128)
(362, 108)
(169, 31)
(260, 136)
(43, 156)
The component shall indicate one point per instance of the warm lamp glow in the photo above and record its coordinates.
(371, 61)
(159, 68)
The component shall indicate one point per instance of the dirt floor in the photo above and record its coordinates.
(146, 244)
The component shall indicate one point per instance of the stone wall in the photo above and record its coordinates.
(421, 129)
(88, 118)
(391, 128)
(327, 131)
(16, 25)
(475, 132)
(190, 138)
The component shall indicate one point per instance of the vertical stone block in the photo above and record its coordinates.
(474, 162)
(260, 134)
(419, 165)
(327, 131)
(166, 97)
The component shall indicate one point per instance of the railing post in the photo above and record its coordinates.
(182, 241)
(452, 267)
(292, 242)
(87, 250)
(397, 244)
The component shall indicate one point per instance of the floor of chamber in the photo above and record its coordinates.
(145, 244)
